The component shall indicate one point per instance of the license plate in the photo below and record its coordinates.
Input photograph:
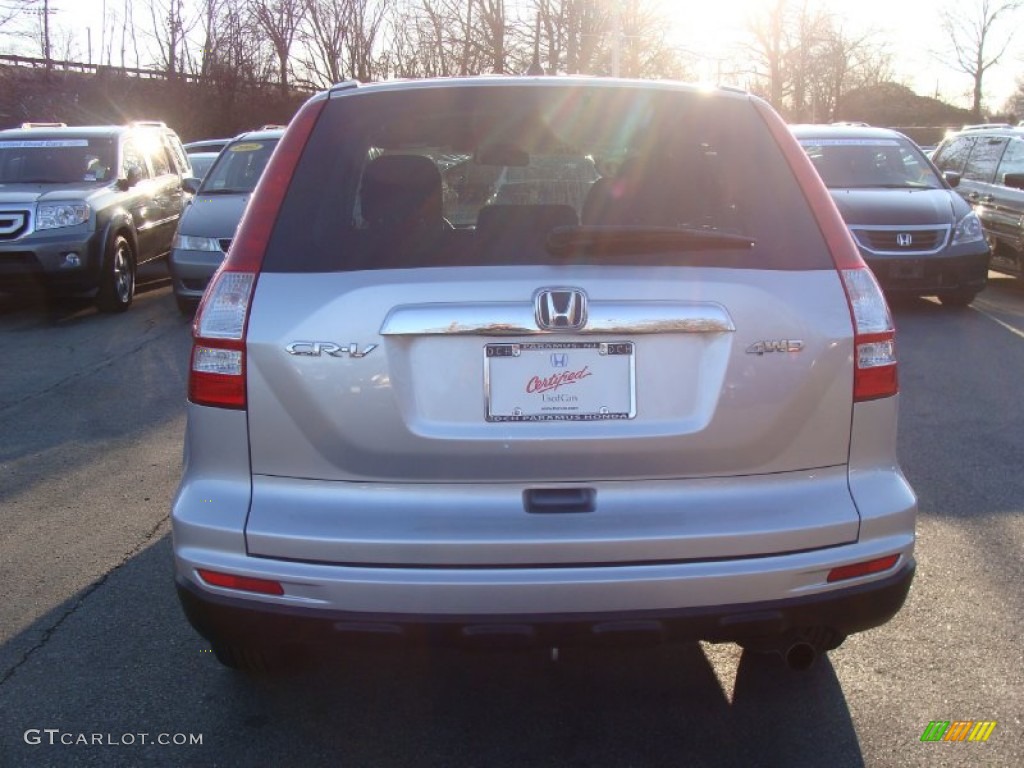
(560, 381)
(906, 270)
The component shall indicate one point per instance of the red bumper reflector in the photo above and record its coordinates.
(244, 583)
(862, 569)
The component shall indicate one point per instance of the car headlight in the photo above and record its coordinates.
(192, 243)
(968, 229)
(56, 215)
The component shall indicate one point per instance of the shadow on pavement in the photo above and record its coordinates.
(124, 661)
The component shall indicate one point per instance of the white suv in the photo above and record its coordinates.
(541, 361)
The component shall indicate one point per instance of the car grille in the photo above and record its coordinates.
(13, 224)
(901, 240)
(225, 243)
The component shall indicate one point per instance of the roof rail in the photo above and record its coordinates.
(44, 125)
(148, 124)
(983, 126)
(852, 123)
(272, 127)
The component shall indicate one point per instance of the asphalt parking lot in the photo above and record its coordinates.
(93, 643)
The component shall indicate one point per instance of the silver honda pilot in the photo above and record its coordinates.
(540, 361)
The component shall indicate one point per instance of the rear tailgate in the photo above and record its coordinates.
(384, 381)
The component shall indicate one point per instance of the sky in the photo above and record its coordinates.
(911, 29)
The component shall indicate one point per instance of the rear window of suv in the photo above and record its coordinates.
(494, 175)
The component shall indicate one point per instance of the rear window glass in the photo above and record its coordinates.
(846, 163)
(483, 175)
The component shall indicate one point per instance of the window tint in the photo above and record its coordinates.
(161, 163)
(854, 162)
(239, 167)
(133, 158)
(953, 156)
(177, 153)
(483, 175)
(56, 160)
(1013, 160)
(981, 165)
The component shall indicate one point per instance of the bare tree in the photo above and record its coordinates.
(848, 62)
(769, 50)
(494, 27)
(35, 23)
(339, 40)
(170, 30)
(1014, 106)
(280, 19)
(978, 39)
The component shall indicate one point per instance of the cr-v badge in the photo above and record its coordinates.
(318, 348)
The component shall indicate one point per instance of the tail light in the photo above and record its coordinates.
(874, 341)
(874, 372)
(217, 371)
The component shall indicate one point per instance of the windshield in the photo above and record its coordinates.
(57, 160)
(238, 167)
(847, 163)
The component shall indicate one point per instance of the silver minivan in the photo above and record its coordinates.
(219, 198)
(650, 393)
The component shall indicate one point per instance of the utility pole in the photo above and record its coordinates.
(46, 36)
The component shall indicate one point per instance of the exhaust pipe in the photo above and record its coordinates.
(800, 655)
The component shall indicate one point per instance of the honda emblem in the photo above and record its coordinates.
(560, 309)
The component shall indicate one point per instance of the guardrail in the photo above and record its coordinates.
(107, 70)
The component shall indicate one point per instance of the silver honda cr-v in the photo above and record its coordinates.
(540, 361)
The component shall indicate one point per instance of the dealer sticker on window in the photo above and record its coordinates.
(560, 381)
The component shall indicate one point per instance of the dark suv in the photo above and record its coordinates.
(81, 208)
(917, 235)
(989, 160)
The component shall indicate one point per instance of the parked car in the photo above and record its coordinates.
(989, 162)
(82, 208)
(209, 223)
(913, 230)
(665, 409)
(207, 145)
(201, 163)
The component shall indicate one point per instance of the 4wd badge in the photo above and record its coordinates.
(775, 345)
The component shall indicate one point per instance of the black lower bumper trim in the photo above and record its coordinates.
(929, 275)
(841, 612)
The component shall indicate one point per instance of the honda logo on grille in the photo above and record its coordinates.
(559, 309)
(904, 239)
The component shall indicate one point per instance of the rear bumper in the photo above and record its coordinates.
(833, 614)
(929, 275)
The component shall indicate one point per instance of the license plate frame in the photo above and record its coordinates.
(560, 381)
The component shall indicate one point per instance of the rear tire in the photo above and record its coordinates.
(957, 299)
(187, 307)
(117, 277)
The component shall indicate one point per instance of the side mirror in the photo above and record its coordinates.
(952, 178)
(133, 177)
(191, 184)
(1015, 180)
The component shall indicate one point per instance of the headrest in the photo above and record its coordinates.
(401, 189)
